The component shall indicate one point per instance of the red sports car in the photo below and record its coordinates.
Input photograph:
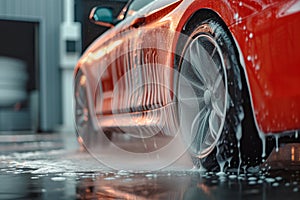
(225, 74)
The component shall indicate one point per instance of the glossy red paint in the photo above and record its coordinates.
(267, 34)
(269, 43)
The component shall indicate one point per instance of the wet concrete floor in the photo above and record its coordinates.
(53, 166)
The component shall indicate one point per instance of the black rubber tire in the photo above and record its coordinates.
(239, 114)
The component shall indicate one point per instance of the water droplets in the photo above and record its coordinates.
(263, 141)
(276, 139)
(257, 67)
(251, 35)
(236, 16)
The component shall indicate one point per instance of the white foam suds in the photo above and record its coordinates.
(151, 175)
(262, 137)
(275, 184)
(70, 174)
(123, 173)
(222, 164)
(262, 177)
(109, 178)
(232, 176)
(238, 137)
(220, 161)
(260, 181)
(252, 178)
(276, 139)
(252, 182)
(58, 178)
(270, 180)
(221, 173)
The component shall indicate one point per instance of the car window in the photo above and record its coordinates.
(137, 5)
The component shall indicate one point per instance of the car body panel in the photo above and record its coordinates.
(271, 53)
(273, 77)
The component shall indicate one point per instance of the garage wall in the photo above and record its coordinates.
(49, 14)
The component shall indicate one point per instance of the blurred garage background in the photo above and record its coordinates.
(40, 42)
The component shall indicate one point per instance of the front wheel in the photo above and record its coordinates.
(213, 100)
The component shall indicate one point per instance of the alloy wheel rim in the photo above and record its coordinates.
(81, 108)
(202, 85)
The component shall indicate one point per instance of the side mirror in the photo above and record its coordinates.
(102, 16)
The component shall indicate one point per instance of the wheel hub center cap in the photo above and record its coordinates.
(207, 97)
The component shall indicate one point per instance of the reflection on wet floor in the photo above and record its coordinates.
(25, 143)
(189, 185)
(288, 156)
(62, 171)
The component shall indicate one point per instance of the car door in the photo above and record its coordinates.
(119, 81)
(143, 74)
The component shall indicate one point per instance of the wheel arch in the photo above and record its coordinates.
(200, 15)
(204, 14)
(81, 71)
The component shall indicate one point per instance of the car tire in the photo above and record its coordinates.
(89, 134)
(220, 129)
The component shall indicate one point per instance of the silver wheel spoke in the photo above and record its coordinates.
(191, 99)
(198, 86)
(214, 132)
(218, 82)
(217, 109)
(196, 60)
(201, 130)
(213, 52)
(198, 118)
(205, 65)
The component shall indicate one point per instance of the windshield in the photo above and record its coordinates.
(137, 5)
